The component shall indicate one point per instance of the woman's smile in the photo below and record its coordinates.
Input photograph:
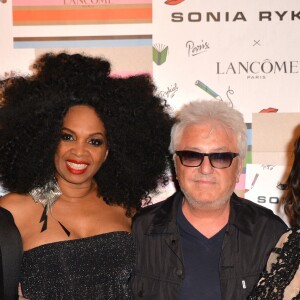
(76, 167)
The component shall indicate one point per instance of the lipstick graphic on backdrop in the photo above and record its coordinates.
(252, 183)
(254, 180)
(205, 88)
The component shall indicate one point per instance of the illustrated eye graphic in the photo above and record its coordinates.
(282, 186)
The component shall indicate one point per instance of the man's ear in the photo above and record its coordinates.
(239, 170)
(175, 165)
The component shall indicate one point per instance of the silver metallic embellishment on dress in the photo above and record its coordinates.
(46, 195)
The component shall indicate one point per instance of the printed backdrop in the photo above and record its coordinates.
(242, 52)
(245, 53)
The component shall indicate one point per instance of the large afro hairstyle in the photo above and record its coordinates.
(137, 124)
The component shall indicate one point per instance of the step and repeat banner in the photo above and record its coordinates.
(244, 53)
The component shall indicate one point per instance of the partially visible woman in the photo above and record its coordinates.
(10, 251)
(10, 256)
(281, 279)
(78, 151)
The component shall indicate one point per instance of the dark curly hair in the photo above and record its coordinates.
(291, 198)
(137, 125)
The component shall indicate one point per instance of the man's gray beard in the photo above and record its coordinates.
(207, 205)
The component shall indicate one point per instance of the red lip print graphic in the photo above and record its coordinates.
(269, 110)
(173, 2)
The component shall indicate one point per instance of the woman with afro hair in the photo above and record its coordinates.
(79, 150)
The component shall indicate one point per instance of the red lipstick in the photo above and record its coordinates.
(77, 167)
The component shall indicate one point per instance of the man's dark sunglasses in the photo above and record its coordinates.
(218, 160)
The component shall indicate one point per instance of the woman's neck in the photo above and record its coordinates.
(76, 192)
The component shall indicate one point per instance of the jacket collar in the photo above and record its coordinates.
(164, 220)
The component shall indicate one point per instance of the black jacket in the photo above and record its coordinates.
(10, 256)
(251, 233)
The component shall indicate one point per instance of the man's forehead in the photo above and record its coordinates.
(208, 128)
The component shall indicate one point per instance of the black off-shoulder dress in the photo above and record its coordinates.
(96, 267)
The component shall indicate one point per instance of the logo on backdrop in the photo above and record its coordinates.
(257, 69)
(169, 92)
(238, 16)
(178, 17)
(196, 48)
(86, 2)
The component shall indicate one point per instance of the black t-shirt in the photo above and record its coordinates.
(201, 258)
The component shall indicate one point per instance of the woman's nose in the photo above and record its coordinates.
(79, 148)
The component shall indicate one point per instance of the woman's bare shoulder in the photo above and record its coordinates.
(14, 201)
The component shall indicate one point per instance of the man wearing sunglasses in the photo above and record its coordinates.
(204, 242)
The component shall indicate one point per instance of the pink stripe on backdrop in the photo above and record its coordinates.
(128, 73)
(241, 184)
(69, 2)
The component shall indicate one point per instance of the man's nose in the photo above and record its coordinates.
(206, 167)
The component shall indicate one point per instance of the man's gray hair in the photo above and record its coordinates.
(200, 111)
